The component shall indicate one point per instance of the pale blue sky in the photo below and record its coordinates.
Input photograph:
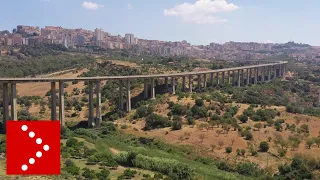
(201, 23)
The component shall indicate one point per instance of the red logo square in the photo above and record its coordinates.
(33, 147)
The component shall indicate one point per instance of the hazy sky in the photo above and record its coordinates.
(197, 21)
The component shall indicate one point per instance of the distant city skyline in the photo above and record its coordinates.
(198, 22)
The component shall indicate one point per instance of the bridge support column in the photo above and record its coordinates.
(222, 78)
(190, 84)
(61, 104)
(205, 80)
(14, 114)
(211, 79)
(166, 83)
(53, 101)
(5, 104)
(145, 88)
(217, 76)
(229, 79)
(262, 74)
(173, 84)
(91, 116)
(128, 102)
(256, 76)
(199, 82)
(269, 73)
(280, 70)
(242, 77)
(275, 72)
(98, 101)
(183, 84)
(121, 95)
(248, 77)
(233, 77)
(239, 78)
(153, 91)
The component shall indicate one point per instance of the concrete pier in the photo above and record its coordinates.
(205, 80)
(256, 76)
(121, 95)
(53, 101)
(233, 77)
(166, 84)
(61, 104)
(199, 82)
(99, 105)
(128, 101)
(183, 84)
(14, 114)
(248, 76)
(269, 73)
(190, 84)
(239, 79)
(242, 77)
(173, 85)
(229, 78)
(222, 78)
(5, 102)
(91, 116)
(211, 79)
(262, 74)
(145, 91)
(217, 78)
(153, 91)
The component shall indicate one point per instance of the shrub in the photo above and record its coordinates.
(215, 117)
(177, 123)
(154, 121)
(128, 173)
(178, 109)
(71, 168)
(243, 152)
(190, 120)
(248, 169)
(247, 134)
(224, 166)
(264, 146)
(228, 149)
(309, 142)
(282, 152)
(304, 128)
(199, 102)
(243, 118)
(170, 167)
(103, 174)
(144, 111)
(89, 174)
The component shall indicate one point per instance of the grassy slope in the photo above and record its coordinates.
(202, 171)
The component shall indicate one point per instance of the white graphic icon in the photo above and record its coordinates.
(46, 147)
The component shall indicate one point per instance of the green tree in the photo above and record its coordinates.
(264, 146)
(243, 118)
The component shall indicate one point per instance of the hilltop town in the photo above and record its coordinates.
(82, 39)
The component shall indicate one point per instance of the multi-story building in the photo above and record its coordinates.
(99, 34)
(8, 41)
(130, 38)
(17, 39)
(27, 30)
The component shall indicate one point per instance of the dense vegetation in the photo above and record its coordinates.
(39, 60)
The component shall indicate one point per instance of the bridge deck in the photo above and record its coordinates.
(41, 79)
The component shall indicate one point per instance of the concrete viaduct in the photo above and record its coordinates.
(240, 76)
